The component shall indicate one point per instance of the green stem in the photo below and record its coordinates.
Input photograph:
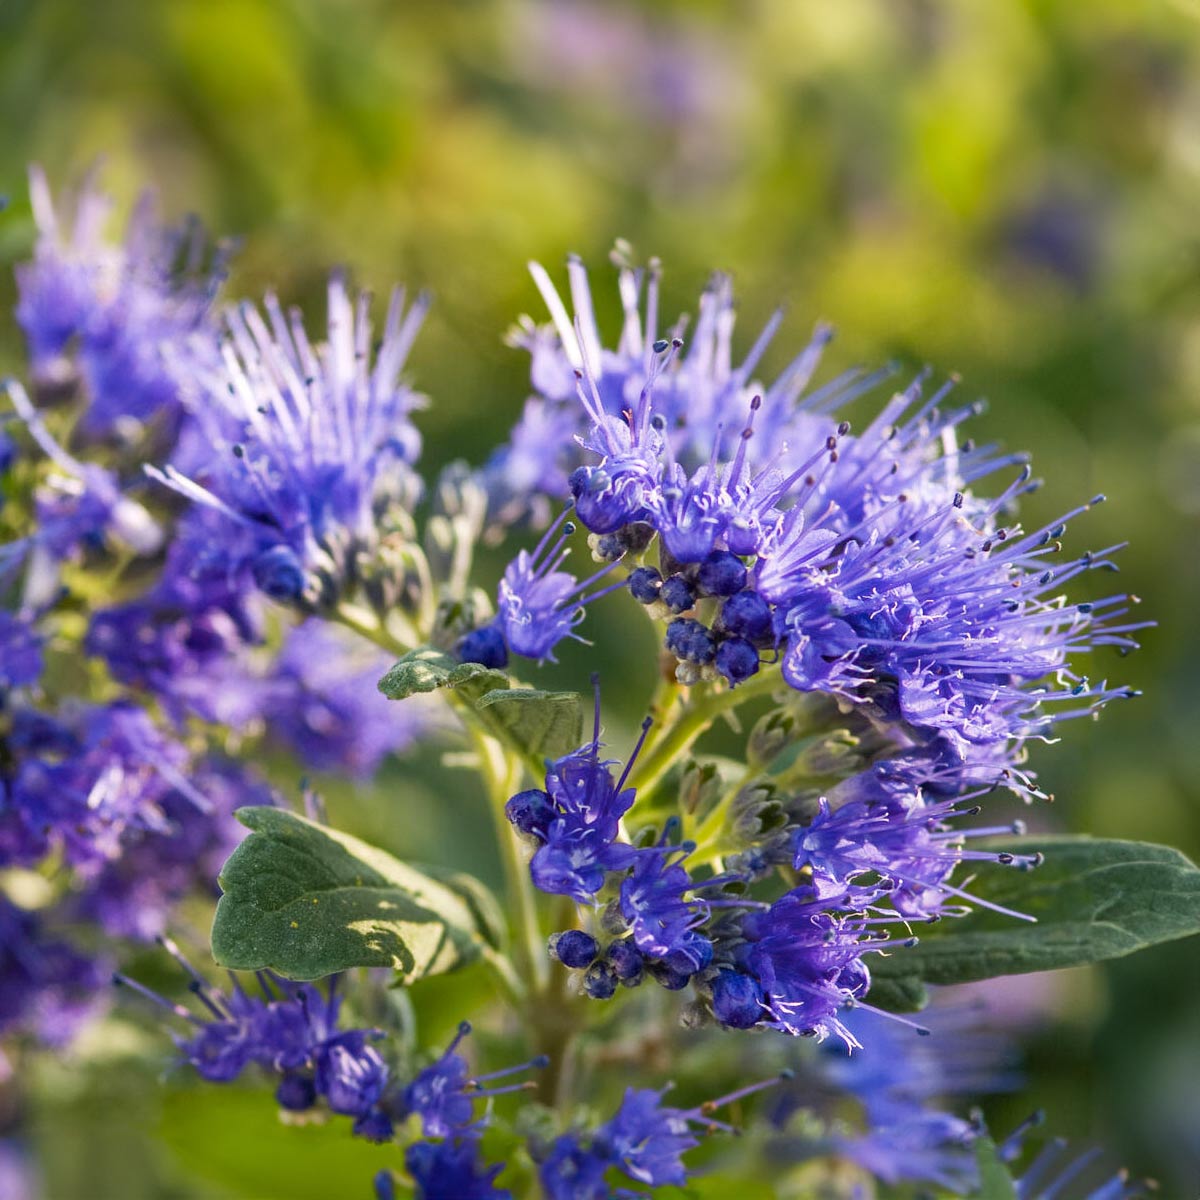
(506, 975)
(501, 773)
(367, 625)
(678, 736)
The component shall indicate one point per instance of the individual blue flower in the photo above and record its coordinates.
(310, 448)
(538, 605)
(571, 1170)
(129, 318)
(579, 840)
(657, 900)
(806, 952)
(645, 1140)
(352, 1077)
(453, 1170)
(444, 1094)
(911, 844)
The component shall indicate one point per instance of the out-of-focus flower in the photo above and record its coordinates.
(127, 319)
(309, 448)
(320, 700)
(133, 896)
(48, 987)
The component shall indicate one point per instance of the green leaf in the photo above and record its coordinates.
(995, 1181)
(538, 724)
(232, 1142)
(902, 994)
(1093, 899)
(426, 670)
(306, 901)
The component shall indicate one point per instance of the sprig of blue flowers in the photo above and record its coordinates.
(221, 515)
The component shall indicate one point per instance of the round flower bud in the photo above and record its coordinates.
(737, 659)
(747, 615)
(690, 641)
(737, 1000)
(626, 961)
(484, 646)
(531, 812)
(677, 594)
(644, 584)
(722, 574)
(574, 948)
(600, 982)
(279, 573)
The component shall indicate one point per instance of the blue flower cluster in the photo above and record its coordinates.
(793, 963)
(125, 323)
(864, 562)
(644, 1141)
(304, 453)
(241, 499)
(136, 818)
(129, 367)
(292, 1030)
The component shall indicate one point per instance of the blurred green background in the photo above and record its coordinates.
(1006, 189)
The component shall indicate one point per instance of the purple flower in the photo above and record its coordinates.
(320, 700)
(876, 564)
(185, 642)
(351, 1075)
(572, 1171)
(86, 503)
(291, 1030)
(664, 924)
(910, 844)
(82, 779)
(48, 988)
(539, 605)
(577, 819)
(133, 895)
(807, 958)
(648, 1139)
(20, 653)
(129, 317)
(443, 1095)
(452, 1170)
(309, 448)
(645, 1140)
(579, 845)
(927, 1147)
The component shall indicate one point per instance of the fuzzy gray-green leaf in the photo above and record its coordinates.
(1093, 899)
(305, 901)
(426, 670)
(538, 724)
